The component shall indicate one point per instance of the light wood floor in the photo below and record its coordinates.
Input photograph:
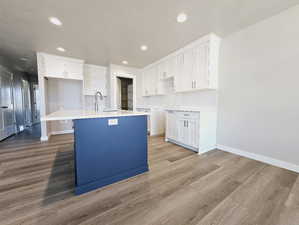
(182, 188)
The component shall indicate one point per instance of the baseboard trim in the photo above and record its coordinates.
(181, 144)
(261, 158)
(206, 149)
(62, 132)
(44, 138)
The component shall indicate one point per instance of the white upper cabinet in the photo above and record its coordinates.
(193, 68)
(167, 68)
(162, 70)
(60, 67)
(152, 80)
(185, 74)
(179, 78)
(198, 68)
(171, 67)
(95, 79)
(152, 84)
(144, 83)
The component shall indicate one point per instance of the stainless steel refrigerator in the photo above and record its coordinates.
(7, 115)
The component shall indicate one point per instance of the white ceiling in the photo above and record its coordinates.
(101, 31)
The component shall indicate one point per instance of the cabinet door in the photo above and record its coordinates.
(188, 70)
(153, 81)
(201, 66)
(73, 70)
(172, 129)
(182, 130)
(58, 67)
(54, 67)
(184, 78)
(162, 70)
(192, 133)
(147, 83)
(179, 76)
(144, 83)
(171, 67)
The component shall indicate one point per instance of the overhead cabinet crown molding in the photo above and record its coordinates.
(54, 66)
(193, 68)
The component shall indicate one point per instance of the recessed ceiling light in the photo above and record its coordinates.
(55, 21)
(125, 62)
(182, 17)
(143, 47)
(60, 49)
(23, 59)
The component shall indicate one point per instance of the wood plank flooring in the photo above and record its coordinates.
(182, 188)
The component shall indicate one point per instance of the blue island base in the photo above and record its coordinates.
(108, 150)
(109, 180)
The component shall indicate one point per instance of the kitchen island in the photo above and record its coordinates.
(109, 146)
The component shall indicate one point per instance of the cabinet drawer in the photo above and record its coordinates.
(188, 115)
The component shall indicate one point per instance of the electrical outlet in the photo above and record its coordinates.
(112, 122)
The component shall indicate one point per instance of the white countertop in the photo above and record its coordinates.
(190, 109)
(83, 114)
(179, 108)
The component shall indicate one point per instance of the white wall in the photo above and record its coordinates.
(63, 94)
(259, 88)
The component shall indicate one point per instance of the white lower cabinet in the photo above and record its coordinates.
(193, 130)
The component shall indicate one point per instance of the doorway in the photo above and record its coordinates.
(125, 93)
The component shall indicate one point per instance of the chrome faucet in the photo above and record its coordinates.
(96, 98)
